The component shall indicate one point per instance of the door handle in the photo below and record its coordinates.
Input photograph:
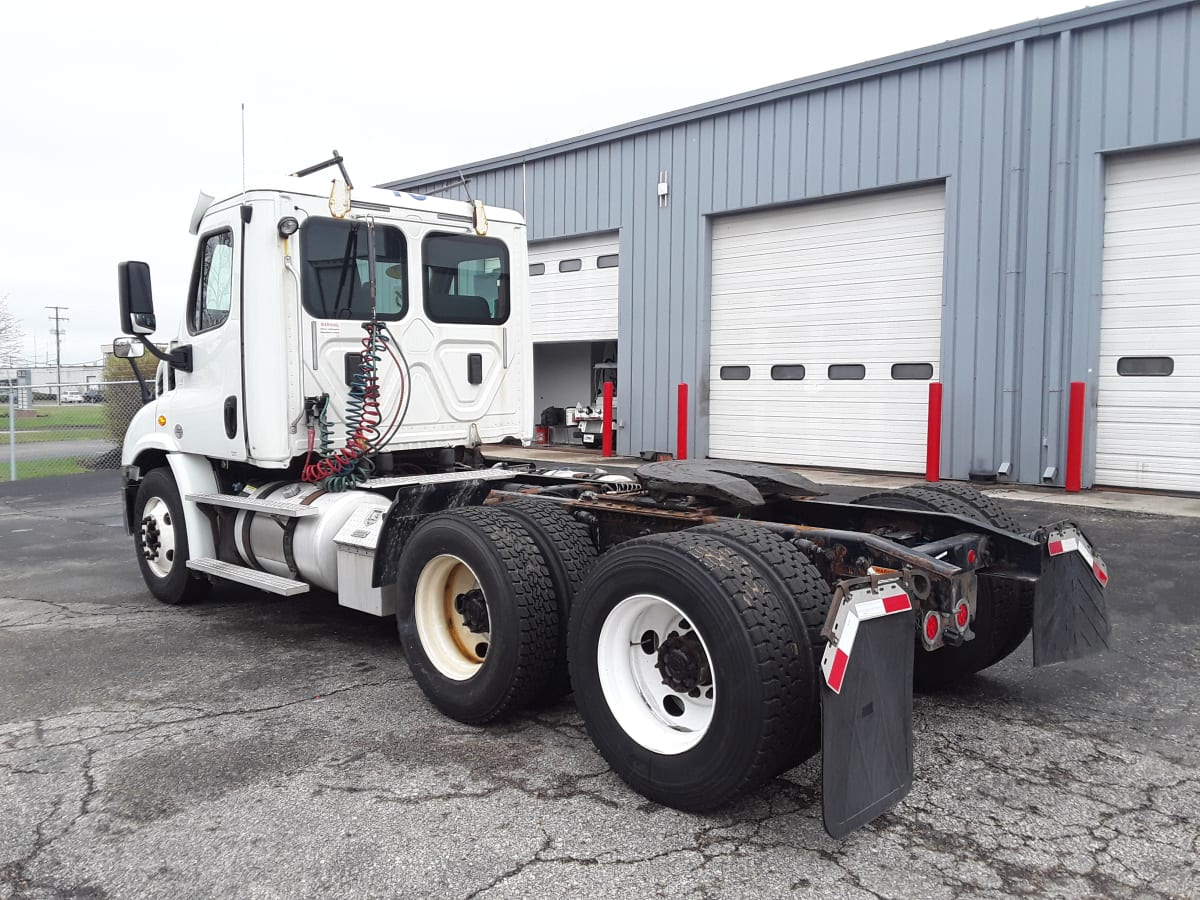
(474, 368)
(231, 417)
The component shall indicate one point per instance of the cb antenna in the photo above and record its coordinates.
(466, 188)
(243, 154)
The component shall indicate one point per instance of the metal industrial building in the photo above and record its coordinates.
(1006, 214)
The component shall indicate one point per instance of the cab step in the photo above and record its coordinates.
(265, 581)
(268, 507)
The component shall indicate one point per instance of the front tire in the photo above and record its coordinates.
(687, 671)
(160, 536)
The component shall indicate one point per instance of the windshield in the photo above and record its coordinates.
(334, 267)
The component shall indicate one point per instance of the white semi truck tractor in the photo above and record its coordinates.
(319, 423)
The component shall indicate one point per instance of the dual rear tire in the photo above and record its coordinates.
(485, 599)
(1004, 612)
(692, 655)
(692, 667)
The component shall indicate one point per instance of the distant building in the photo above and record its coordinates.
(44, 380)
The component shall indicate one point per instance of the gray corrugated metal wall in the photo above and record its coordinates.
(1016, 124)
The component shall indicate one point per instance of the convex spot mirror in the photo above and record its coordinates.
(128, 348)
(137, 301)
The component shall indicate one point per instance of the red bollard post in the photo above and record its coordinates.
(681, 441)
(606, 440)
(933, 448)
(1075, 412)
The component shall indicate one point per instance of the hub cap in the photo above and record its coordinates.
(656, 674)
(451, 615)
(157, 537)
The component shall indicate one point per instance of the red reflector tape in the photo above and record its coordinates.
(896, 603)
(838, 672)
(1098, 571)
(1056, 548)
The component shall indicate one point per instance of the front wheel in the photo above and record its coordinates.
(687, 671)
(160, 536)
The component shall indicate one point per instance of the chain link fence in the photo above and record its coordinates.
(64, 429)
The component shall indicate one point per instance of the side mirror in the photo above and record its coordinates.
(128, 348)
(137, 301)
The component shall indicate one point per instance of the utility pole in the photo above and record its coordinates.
(58, 333)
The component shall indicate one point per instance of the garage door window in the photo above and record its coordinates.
(787, 373)
(735, 373)
(570, 265)
(537, 268)
(912, 371)
(608, 261)
(847, 372)
(1159, 366)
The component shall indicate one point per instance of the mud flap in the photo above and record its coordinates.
(866, 716)
(1070, 616)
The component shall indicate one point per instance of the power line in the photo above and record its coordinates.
(58, 333)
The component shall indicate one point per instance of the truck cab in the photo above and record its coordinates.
(283, 320)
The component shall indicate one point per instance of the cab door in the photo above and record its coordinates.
(457, 348)
(203, 408)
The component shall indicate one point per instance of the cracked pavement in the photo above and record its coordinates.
(258, 746)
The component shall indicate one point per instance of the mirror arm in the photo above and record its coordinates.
(180, 357)
(141, 380)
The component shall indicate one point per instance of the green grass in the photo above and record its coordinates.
(40, 468)
(84, 416)
(77, 433)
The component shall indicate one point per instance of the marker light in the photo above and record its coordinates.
(287, 226)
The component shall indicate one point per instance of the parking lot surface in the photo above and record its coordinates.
(258, 746)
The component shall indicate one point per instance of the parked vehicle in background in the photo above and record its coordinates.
(93, 395)
(71, 395)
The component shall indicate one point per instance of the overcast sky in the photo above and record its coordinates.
(114, 115)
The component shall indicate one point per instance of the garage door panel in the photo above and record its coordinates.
(757, 317)
(1141, 168)
(1148, 427)
(1160, 265)
(864, 234)
(579, 305)
(856, 281)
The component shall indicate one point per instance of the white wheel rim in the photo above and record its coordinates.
(455, 649)
(661, 718)
(158, 537)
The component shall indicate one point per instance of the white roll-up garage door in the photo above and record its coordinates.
(573, 289)
(826, 330)
(1148, 416)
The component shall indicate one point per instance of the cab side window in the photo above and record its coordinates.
(212, 283)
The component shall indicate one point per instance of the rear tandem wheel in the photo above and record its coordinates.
(1003, 612)
(477, 617)
(689, 676)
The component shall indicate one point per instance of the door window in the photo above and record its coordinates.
(212, 283)
(466, 279)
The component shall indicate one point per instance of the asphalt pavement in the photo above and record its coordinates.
(258, 746)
